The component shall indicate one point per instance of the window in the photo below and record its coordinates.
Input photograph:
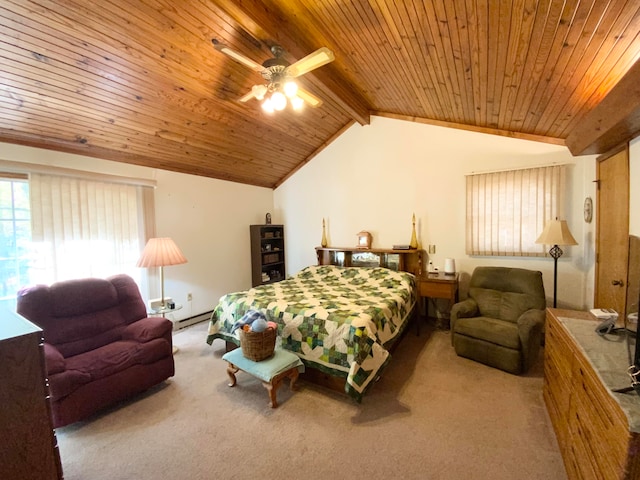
(84, 228)
(507, 210)
(70, 225)
(15, 237)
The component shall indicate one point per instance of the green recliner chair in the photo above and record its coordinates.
(501, 323)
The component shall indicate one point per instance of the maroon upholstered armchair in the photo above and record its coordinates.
(100, 347)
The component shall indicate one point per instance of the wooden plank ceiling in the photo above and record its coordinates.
(140, 81)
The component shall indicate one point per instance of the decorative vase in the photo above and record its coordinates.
(323, 243)
(414, 240)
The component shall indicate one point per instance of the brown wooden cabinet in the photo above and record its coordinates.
(267, 254)
(28, 450)
(597, 429)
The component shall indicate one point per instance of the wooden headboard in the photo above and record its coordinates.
(411, 261)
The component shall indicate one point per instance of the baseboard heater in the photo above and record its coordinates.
(187, 322)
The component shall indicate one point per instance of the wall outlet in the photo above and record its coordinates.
(189, 297)
(432, 249)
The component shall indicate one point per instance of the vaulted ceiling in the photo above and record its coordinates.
(140, 82)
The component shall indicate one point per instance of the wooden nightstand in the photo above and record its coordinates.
(437, 285)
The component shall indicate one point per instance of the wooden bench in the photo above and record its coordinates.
(272, 371)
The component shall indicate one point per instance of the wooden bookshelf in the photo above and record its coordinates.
(267, 254)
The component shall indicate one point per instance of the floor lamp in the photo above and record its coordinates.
(161, 252)
(556, 232)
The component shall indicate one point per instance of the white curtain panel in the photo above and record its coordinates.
(85, 228)
(507, 210)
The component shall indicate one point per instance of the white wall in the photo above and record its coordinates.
(374, 177)
(208, 219)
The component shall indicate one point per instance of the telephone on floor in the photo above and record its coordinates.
(607, 317)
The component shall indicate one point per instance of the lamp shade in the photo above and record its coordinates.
(556, 232)
(160, 252)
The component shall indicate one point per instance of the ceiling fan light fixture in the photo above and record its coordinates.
(278, 100)
(267, 106)
(290, 89)
(297, 103)
(279, 75)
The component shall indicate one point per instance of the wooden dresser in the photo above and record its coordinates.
(598, 430)
(28, 450)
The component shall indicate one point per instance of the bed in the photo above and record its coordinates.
(339, 319)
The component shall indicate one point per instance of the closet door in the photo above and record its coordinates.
(612, 232)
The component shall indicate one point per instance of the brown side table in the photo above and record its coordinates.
(437, 285)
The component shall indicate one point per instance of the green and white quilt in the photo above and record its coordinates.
(340, 320)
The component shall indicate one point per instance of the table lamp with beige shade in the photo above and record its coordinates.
(161, 252)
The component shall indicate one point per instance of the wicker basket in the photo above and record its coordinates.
(258, 346)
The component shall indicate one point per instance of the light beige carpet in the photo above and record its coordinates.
(433, 415)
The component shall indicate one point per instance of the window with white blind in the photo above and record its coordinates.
(507, 210)
(85, 228)
(58, 223)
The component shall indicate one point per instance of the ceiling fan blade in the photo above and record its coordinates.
(308, 97)
(247, 97)
(320, 57)
(257, 91)
(221, 47)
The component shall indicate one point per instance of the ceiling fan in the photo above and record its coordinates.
(280, 75)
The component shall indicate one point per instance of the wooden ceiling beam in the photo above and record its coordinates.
(614, 121)
(272, 28)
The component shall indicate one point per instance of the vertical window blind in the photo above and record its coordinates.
(86, 228)
(507, 210)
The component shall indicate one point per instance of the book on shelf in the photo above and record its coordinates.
(402, 247)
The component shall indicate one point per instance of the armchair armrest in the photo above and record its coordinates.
(465, 309)
(530, 325)
(53, 359)
(147, 329)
